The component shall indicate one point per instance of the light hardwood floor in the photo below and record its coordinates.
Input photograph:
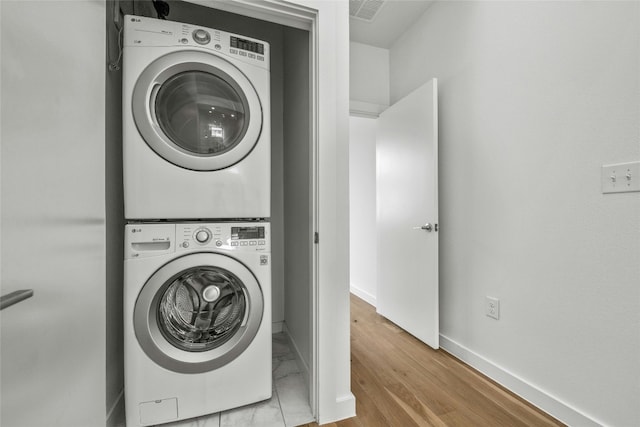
(400, 382)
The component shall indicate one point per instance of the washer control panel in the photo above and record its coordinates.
(229, 236)
(153, 239)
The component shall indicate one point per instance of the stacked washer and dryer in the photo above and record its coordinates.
(197, 269)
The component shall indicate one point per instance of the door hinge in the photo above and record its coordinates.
(316, 237)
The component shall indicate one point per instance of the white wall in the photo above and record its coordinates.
(368, 79)
(534, 98)
(368, 74)
(369, 95)
(298, 201)
(362, 214)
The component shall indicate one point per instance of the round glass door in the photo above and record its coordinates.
(202, 113)
(198, 312)
(197, 111)
(202, 308)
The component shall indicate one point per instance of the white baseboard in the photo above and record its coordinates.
(362, 294)
(517, 385)
(277, 327)
(345, 408)
(304, 367)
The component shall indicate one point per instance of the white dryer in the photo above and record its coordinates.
(196, 122)
(197, 318)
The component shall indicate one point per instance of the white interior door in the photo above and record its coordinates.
(407, 213)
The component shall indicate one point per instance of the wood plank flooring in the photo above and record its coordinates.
(400, 382)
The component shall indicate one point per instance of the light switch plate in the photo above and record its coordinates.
(621, 177)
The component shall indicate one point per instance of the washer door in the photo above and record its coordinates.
(198, 312)
(197, 111)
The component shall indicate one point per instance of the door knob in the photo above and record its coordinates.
(427, 227)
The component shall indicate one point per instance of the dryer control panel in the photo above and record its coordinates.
(153, 239)
(144, 32)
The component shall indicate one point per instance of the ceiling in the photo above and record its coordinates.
(390, 21)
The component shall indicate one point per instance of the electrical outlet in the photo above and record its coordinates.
(621, 178)
(492, 307)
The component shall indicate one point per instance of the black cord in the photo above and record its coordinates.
(115, 65)
(162, 8)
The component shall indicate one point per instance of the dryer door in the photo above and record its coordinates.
(198, 312)
(197, 111)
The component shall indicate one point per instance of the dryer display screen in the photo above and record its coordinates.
(245, 233)
(249, 45)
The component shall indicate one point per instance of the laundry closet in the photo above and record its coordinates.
(291, 191)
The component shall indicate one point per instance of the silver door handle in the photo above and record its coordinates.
(15, 297)
(427, 227)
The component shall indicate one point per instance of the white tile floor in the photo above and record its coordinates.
(288, 406)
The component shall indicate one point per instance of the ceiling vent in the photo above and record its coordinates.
(365, 10)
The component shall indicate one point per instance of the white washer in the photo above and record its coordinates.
(196, 122)
(197, 319)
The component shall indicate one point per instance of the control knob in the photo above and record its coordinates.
(202, 236)
(201, 36)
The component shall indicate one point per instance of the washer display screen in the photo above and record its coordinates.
(245, 233)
